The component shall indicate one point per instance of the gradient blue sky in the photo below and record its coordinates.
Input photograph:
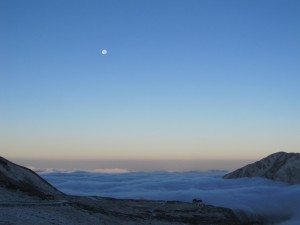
(182, 79)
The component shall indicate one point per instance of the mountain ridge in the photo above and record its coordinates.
(14, 176)
(279, 166)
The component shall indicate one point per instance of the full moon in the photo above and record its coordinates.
(104, 52)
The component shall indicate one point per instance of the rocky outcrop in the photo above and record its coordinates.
(280, 166)
(17, 177)
(26, 198)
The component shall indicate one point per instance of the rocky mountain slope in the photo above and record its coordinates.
(25, 198)
(280, 166)
(18, 177)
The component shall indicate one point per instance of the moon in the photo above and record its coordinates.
(104, 52)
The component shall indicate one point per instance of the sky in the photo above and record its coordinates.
(196, 79)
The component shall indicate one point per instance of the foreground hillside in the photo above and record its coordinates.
(28, 199)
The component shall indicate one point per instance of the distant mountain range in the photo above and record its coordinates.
(280, 166)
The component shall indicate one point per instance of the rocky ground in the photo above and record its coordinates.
(17, 208)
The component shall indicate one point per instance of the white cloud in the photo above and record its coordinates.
(273, 200)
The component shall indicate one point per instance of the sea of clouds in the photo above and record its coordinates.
(279, 203)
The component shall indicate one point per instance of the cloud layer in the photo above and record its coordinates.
(272, 200)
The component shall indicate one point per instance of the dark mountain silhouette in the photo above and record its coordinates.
(280, 166)
(17, 177)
